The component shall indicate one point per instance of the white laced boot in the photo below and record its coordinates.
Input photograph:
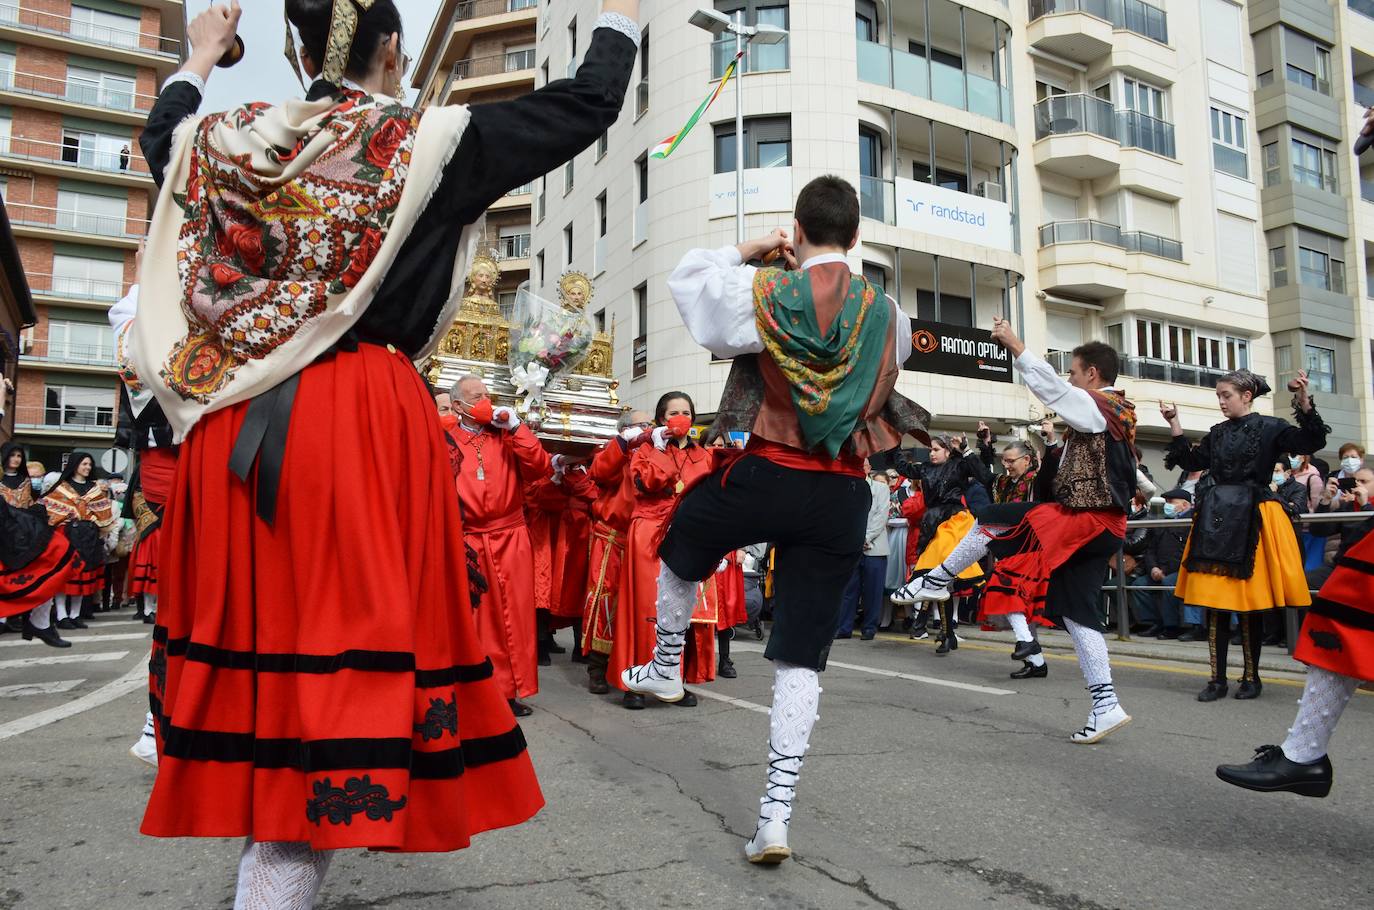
(796, 697)
(1107, 716)
(146, 747)
(662, 676)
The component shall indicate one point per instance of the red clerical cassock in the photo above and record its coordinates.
(659, 479)
(496, 465)
(615, 502)
(560, 522)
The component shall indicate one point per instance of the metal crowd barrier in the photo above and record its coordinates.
(1123, 588)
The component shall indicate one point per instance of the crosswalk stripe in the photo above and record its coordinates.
(93, 658)
(893, 674)
(40, 688)
(77, 639)
(135, 679)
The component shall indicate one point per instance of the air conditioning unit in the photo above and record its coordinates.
(989, 190)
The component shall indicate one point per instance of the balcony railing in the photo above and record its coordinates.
(1363, 94)
(62, 352)
(514, 246)
(1084, 230)
(476, 9)
(1168, 371)
(521, 190)
(928, 78)
(1363, 7)
(49, 285)
(43, 216)
(52, 24)
(1132, 15)
(1367, 189)
(1062, 115)
(1153, 244)
(641, 98)
(81, 156)
(877, 199)
(490, 65)
(75, 91)
(73, 419)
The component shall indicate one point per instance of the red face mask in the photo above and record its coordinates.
(481, 410)
(449, 422)
(679, 425)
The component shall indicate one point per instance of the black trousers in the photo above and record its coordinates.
(815, 519)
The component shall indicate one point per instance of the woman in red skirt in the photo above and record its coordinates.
(660, 473)
(316, 677)
(80, 506)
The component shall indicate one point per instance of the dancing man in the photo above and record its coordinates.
(1057, 550)
(816, 398)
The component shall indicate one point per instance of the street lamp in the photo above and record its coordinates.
(718, 24)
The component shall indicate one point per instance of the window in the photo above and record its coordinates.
(640, 366)
(1149, 339)
(1237, 354)
(865, 20)
(569, 176)
(5, 124)
(1307, 62)
(767, 143)
(506, 301)
(539, 268)
(514, 241)
(954, 309)
(1278, 266)
(601, 215)
(642, 90)
(89, 213)
(1314, 164)
(568, 246)
(1270, 153)
(602, 143)
(572, 48)
(75, 406)
(519, 58)
(1145, 99)
(600, 319)
(1321, 367)
(1321, 261)
(642, 167)
(98, 151)
(1228, 143)
(76, 276)
(544, 73)
(99, 89)
(7, 61)
(104, 28)
(1045, 90)
(80, 342)
(760, 57)
(950, 180)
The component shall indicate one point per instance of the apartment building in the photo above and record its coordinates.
(480, 51)
(77, 80)
(16, 314)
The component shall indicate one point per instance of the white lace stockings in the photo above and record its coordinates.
(279, 875)
(677, 597)
(1020, 627)
(1095, 663)
(796, 698)
(1323, 699)
(966, 552)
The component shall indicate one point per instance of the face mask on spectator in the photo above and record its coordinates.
(1352, 464)
(1170, 510)
(1295, 462)
(1278, 478)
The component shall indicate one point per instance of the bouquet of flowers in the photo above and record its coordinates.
(546, 340)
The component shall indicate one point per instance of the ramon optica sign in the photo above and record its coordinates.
(956, 350)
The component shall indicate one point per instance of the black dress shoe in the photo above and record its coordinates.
(15, 623)
(1025, 649)
(948, 643)
(688, 700)
(867, 636)
(1249, 689)
(149, 619)
(1169, 633)
(79, 624)
(555, 648)
(1193, 633)
(578, 657)
(633, 701)
(598, 686)
(519, 708)
(65, 624)
(1031, 671)
(544, 660)
(839, 635)
(1271, 770)
(47, 636)
(1147, 632)
(726, 670)
(1213, 691)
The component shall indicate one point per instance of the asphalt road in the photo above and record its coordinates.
(915, 794)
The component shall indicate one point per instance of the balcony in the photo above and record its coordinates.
(493, 71)
(1083, 258)
(1083, 135)
(61, 159)
(1082, 30)
(89, 291)
(67, 355)
(1167, 371)
(475, 18)
(42, 219)
(1141, 131)
(877, 199)
(64, 93)
(31, 24)
(86, 422)
(478, 9)
(508, 248)
(1151, 245)
(931, 79)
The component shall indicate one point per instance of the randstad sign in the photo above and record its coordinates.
(949, 213)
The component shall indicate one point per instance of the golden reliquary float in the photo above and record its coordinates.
(546, 358)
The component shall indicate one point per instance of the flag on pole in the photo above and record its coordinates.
(666, 147)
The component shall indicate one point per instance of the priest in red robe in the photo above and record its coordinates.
(500, 456)
(558, 510)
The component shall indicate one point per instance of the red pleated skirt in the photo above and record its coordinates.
(46, 575)
(143, 564)
(1338, 631)
(319, 679)
(85, 581)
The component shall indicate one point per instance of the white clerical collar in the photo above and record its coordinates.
(824, 259)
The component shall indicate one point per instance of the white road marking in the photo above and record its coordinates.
(77, 639)
(40, 688)
(96, 657)
(729, 700)
(893, 674)
(135, 679)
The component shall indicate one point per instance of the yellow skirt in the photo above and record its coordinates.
(1278, 579)
(947, 537)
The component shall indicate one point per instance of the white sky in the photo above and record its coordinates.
(263, 74)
